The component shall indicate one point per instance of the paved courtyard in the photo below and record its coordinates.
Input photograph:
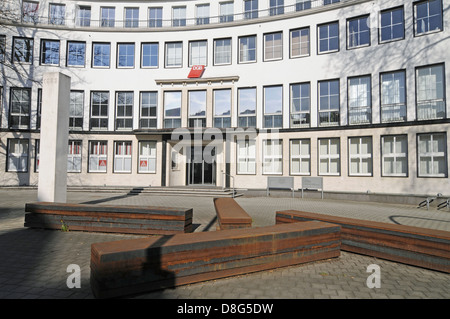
(33, 262)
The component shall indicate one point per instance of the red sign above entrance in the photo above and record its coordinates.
(196, 71)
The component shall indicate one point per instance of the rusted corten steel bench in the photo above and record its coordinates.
(135, 266)
(416, 246)
(230, 214)
(146, 220)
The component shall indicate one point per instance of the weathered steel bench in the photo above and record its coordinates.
(135, 266)
(230, 214)
(422, 247)
(146, 220)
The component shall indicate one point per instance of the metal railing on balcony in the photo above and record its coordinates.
(359, 115)
(431, 109)
(393, 113)
(86, 21)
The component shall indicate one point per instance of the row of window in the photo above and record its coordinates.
(430, 104)
(392, 27)
(18, 150)
(131, 19)
(431, 156)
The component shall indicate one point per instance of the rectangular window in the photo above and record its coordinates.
(273, 46)
(301, 5)
(358, 32)
(430, 90)
(30, 11)
(76, 110)
(329, 156)
(273, 106)
(394, 155)
(23, 50)
(131, 17)
(149, 106)
(428, 16)
(155, 17)
(197, 53)
(17, 155)
(124, 110)
(174, 54)
(172, 109)
(19, 113)
(276, 7)
(122, 157)
(222, 51)
(246, 157)
(125, 55)
(147, 157)
(247, 49)
(197, 108)
(432, 155)
(84, 16)
(222, 108)
(247, 107)
(74, 157)
(393, 97)
(300, 157)
(76, 53)
(299, 42)
(36, 155)
(101, 55)
(272, 157)
(202, 14)
(108, 17)
(99, 110)
(98, 156)
(359, 100)
(2, 48)
(327, 2)
(226, 11)
(392, 25)
(57, 14)
(49, 52)
(329, 102)
(178, 16)
(360, 156)
(300, 105)
(39, 109)
(328, 37)
(251, 9)
(150, 55)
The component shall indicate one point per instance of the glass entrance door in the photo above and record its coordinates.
(201, 170)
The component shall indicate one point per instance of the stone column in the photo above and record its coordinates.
(54, 138)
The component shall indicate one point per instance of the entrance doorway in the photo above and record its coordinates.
(201, 166)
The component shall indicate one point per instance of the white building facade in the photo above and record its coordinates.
(353, 91)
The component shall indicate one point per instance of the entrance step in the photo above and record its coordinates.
(206, 191)
(186, 191)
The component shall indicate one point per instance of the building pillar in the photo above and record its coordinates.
(54, 138)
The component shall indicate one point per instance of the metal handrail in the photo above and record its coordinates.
(224, 182)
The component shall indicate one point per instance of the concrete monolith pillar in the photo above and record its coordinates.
(54, 138)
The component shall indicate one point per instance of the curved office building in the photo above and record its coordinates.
(174, 93)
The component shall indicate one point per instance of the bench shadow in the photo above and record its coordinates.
(393, 219)
(154, 279)
(109, 199)
(210, 224)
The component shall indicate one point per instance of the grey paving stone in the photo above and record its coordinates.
(33, 262)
